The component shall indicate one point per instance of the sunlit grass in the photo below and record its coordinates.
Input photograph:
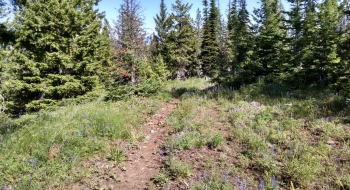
(46, 149)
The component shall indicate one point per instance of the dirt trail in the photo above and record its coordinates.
(142, 159)
(145, 161)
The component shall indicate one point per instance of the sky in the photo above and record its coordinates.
(151, 8)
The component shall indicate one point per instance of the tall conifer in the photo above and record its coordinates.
(56, 54)
(210, 43)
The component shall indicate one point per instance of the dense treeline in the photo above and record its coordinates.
(57, 51)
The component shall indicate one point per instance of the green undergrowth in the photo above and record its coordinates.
(46, 149)
(262, 136)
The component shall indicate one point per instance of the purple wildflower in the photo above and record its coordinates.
(196, 178)
(243, 186)
(161, 153)
(226, 177)
(274, 183)
(238, 181)
(273, 153)
(262, 132)
(30, 180)
(253, 103)
(3, 185)
(177, 137)
(73, 158)
(291, 151)
(78, 134)
(261, 185)
(85, 133)
(204, 175)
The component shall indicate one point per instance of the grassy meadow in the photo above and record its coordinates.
(261, 136)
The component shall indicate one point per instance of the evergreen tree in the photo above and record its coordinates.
(210, 42)
(343, 70)
(270, 49)
(296, 16)
(241, 44)
(163, 25)
(304, 72)
(182, 40)
(129, 37)
(225, 52)
(328, 35)
(196, 66)
(56, 54)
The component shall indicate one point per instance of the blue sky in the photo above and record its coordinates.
(151, 8)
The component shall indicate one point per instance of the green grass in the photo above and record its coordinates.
(260, 134)
(46, 149)
(300, 138)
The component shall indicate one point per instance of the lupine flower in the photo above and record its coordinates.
(3, 185)
(261, 185)
(262, 132)
(30, 180)
(196, 178)
(243, 186)
(161, 153)
(273, 153)
(291, 151)
(274, 183)
(85, 133)
(73, 158)
(238, 181)
(253, 103)
(204, 175)
(226, 176)
(177, 137)
(78, 134)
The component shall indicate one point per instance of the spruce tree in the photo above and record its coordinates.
(329, 60)
(304, 73)
(241, 44)
(129, 37)
(163, 25)
(198, 24)
(343, 51)
(182, 40)
(270, 49)
(210, 43)
(56, 54)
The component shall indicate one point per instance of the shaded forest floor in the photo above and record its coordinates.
(191, 135)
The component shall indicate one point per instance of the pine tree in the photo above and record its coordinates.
(270, 49)
(198, 24)
(182, 41)
(304, 72)
(241, 44)
(328, 19)
(129, 37)
(210, 43)
(162, 28)
(56, 54)
(343, 70)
